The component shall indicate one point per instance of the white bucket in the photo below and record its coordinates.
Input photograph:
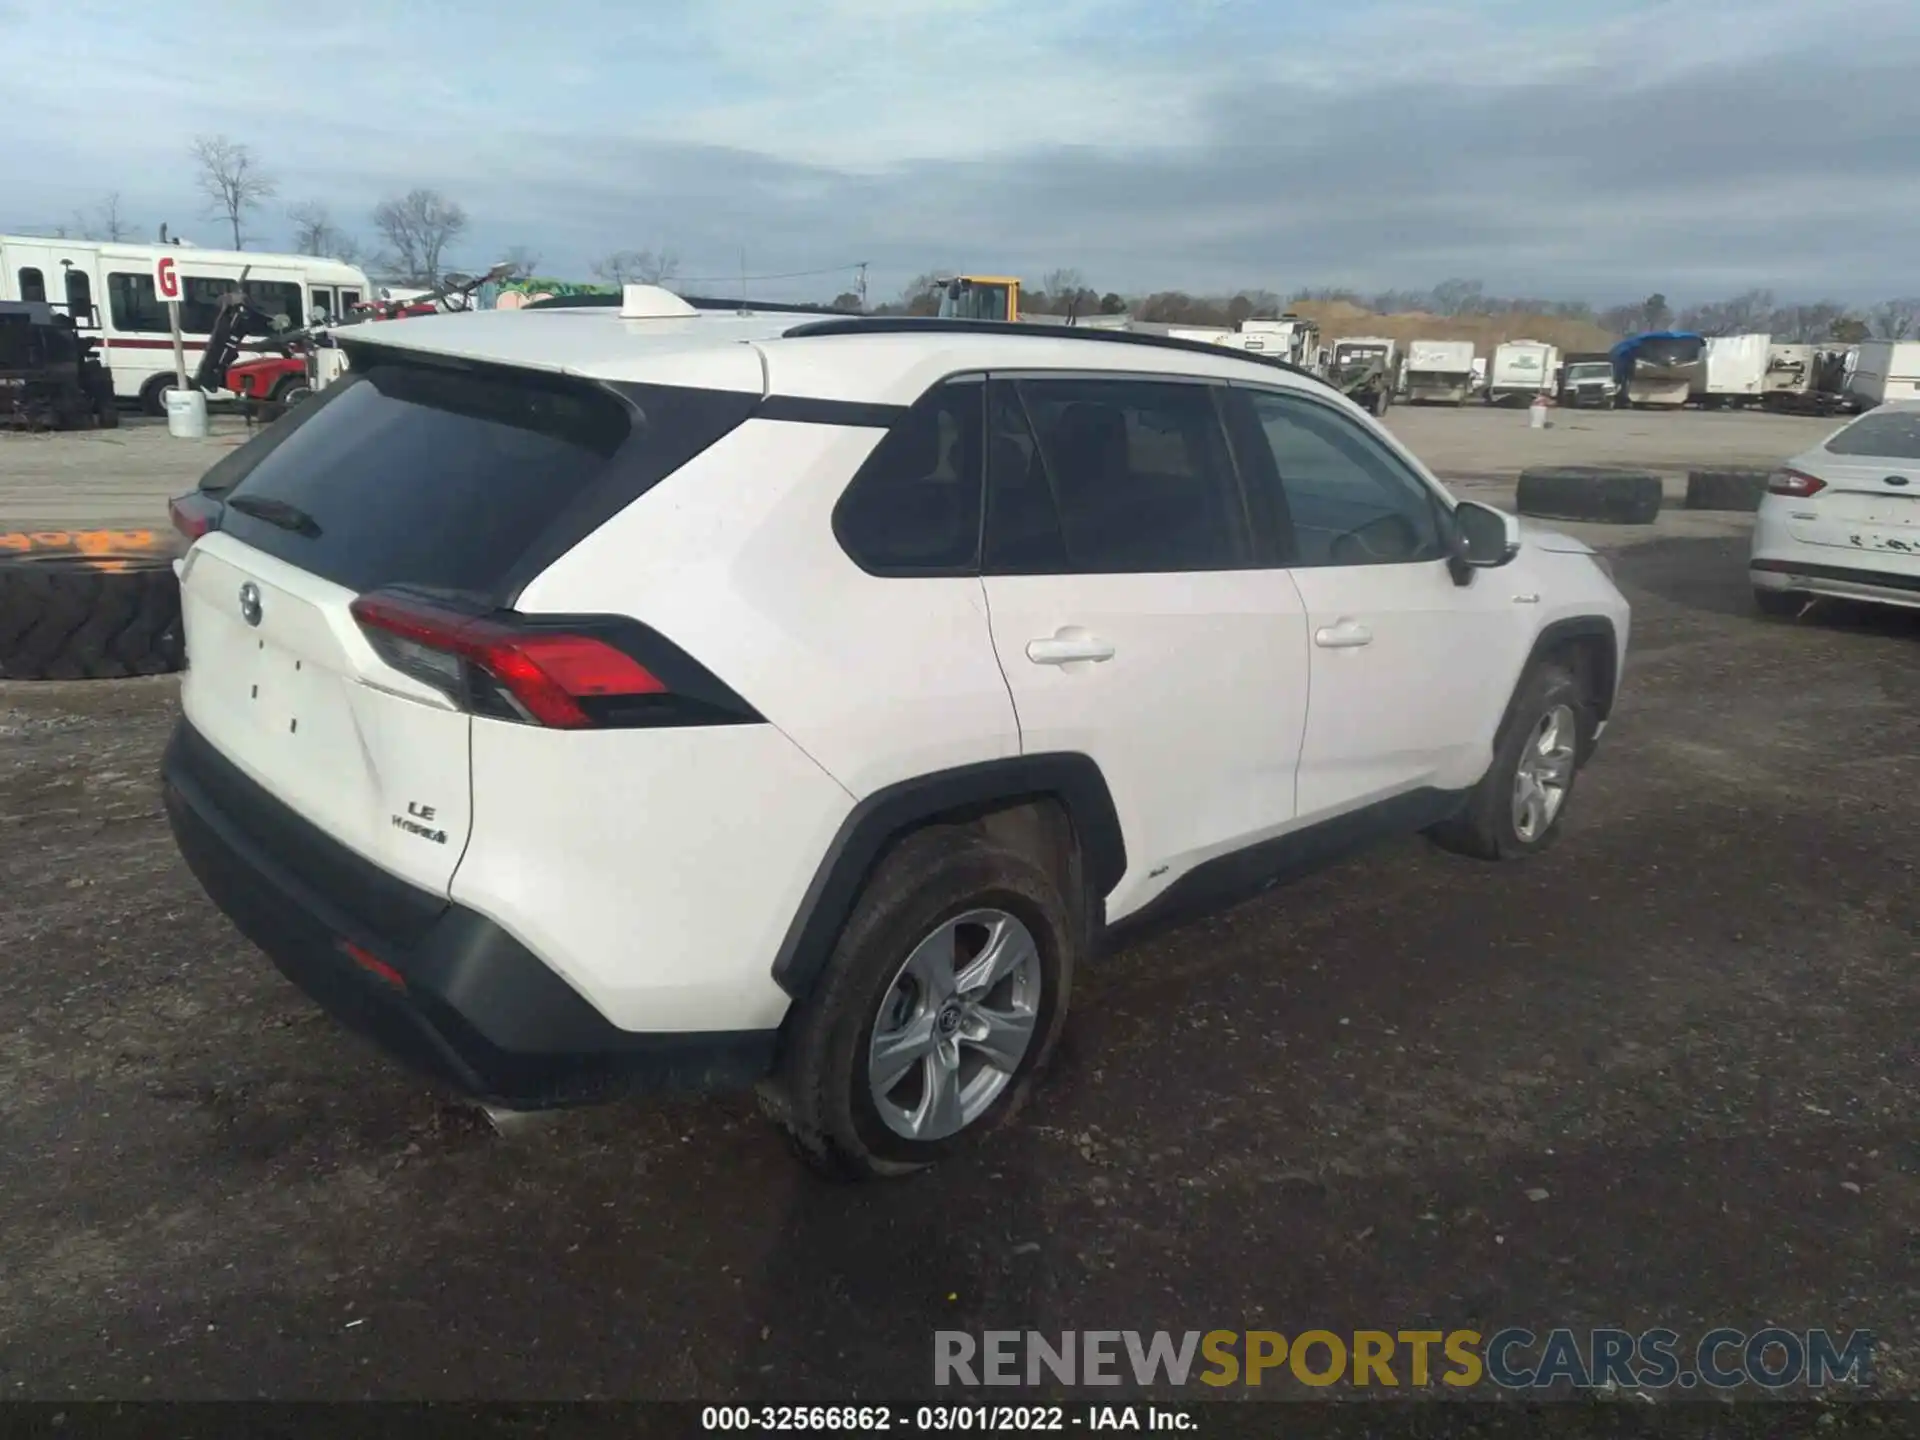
(186, 414)
(1537, 415)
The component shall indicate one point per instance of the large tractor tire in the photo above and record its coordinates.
(67, 619)
(1726, 489)
(1590, 492)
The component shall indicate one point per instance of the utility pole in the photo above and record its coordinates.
(860, 288)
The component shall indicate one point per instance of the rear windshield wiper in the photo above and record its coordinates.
(276, 512)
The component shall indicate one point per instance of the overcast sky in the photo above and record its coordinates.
(1559, 148)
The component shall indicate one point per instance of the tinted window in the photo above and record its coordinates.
(1136, 477)
(33, 285)
(133, 305)
(1894, 434)
(1350, 500)
(348, 299)
(914, 507)
(450, 479)
(275, 298)
(79, 297)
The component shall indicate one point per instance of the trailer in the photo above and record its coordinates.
(1521, 369)
(1289, 338)
(1885, 370)
(1659, 369)
(1735, 371)
(1439, 371)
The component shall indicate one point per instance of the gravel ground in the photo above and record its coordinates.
(1665, 1074)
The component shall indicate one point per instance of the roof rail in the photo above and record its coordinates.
(1007, 329)
(698, 302)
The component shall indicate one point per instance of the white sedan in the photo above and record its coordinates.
(1843, 519)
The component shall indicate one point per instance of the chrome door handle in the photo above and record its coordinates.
(1065, 649)
(1347, 635)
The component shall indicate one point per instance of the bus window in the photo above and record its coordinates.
(80, 297)
(276, 298)
(133, 306)
(33, 285)
(320, 303)
(348, 299)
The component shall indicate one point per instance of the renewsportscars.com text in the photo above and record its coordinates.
(1513, 1358)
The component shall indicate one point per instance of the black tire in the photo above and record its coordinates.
(819, 1092)
(1381, 404)
(1590, 492)
(69, 621)
(153, 395)
(1779, 604)
(106, 412)
(291, 391)
(1726, 489)
(1484, 827)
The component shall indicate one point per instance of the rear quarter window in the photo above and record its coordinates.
(450, 479)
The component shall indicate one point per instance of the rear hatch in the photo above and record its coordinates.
(449, 484)
(1871, 497)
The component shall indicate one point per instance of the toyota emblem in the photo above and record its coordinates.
(250, 603)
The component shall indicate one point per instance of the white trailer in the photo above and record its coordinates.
(108, 290)
(1289, 338)
(1521, 369)
(1735, 372)
(1440, 371)
(1885, 370)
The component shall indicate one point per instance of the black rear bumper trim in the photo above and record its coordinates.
(475, 1008)
(1885, 579)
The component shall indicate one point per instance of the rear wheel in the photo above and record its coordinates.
(292, 391)
(153, 395)
(944, 995)
(1516, 809)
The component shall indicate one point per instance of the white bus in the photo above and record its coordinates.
(108, 290)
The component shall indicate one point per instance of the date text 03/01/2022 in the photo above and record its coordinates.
(939, 1419)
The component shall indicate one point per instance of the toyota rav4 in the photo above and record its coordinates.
(592, 697)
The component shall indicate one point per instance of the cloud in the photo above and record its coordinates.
(1697, 147)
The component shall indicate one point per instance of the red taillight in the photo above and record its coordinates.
(1795, 482)
(544, 675)
(193, 514)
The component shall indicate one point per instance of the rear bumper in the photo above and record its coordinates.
(1846, 582)
(440, 987)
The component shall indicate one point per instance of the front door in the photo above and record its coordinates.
(1133, 619)
(1399, 651)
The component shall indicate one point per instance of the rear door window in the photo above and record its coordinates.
(448, 479)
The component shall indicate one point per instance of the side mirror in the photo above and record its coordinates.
(1483, 539)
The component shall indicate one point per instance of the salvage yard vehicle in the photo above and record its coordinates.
(107, 291)
(980, 297)
(1364, 369)
(50, 376)
(1521, 370)
(1885, 370)
(1734, 372)
(1586, 381)
(1843, 519)
(590, 699)
(1439, 371)
(1659, 370)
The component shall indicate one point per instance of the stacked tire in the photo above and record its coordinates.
(83, 619)
(1590, 492)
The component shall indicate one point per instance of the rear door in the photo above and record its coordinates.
(1871, 503)
(433, 479)
(1134, 618)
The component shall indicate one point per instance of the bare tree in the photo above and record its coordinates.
(104, 223)
(1896, 319)
(645, 267)
(521, 262)
(314, 233)
(418, 227)
(232, 182)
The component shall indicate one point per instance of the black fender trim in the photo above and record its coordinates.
(1072, 779)
(1579, 627)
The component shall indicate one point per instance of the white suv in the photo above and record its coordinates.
(589, 697)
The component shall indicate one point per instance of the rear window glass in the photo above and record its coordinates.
(447, 479)
(1892, 433)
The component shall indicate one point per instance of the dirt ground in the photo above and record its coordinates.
(1665, 1074)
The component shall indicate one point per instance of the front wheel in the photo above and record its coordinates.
(292, 391)
(1517, 807)
(943, 997)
